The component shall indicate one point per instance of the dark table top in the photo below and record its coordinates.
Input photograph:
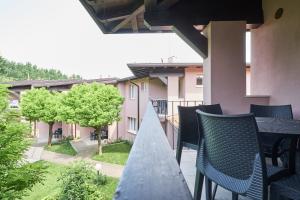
(283, 127)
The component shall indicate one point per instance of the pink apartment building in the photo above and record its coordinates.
(166, 85)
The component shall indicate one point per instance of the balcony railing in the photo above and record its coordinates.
(161, 106)
(168, 111)
(151, 171)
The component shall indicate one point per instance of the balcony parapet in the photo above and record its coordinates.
(151, 171)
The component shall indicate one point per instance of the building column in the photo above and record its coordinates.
(225, 66)
(173, 94)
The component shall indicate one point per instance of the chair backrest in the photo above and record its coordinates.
(188, 124)
(276, 111)
(230, 144)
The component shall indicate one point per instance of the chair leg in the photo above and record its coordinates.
(214, 192)
(178, 153)
(208, 189)
(274, 195)
(235, 196)
(274, 160)
(198, 185)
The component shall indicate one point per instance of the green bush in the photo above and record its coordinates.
(80, 182)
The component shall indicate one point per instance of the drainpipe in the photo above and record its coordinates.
(138, 104)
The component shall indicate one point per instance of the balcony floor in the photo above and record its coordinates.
(188, 163)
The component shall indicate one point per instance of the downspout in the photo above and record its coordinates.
(138, 104)
(117, 130)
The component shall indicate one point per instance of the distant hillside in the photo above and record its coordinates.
(10, 71)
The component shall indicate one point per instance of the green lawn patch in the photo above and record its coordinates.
(51, 186)
(116, 153)
(63, 147)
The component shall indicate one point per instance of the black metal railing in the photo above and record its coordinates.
(161, 105)
(167, 110)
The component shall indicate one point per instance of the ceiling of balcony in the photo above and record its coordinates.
(143, 16)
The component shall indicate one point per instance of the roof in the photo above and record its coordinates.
(144, 16)
(51, 83)
(141, 70)
(129, 78)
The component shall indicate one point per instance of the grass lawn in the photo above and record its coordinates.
(51, 186)
(116, 153)
(63, 147)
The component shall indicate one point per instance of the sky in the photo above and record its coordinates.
(60, 34)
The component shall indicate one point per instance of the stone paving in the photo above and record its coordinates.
(188, 167)
(33, 154)
(84, 152)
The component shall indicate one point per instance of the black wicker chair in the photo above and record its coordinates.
(287, 188)
(188, 133)
(274, 147)
(230, 155)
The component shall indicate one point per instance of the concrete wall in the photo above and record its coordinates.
(42, 130)
(129, 108)
(275, 60)
(157, 89)
(224, 68)
(191, 90)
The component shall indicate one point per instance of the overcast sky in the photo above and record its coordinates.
(60, 34)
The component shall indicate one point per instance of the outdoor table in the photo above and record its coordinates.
(285, 129)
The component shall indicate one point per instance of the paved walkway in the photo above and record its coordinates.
(107, 168)
(84, 150)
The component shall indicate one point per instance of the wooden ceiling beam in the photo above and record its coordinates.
(134, 24)
(165, 4)
(193, 38)
(150, 5)
(128, 19)
(114, 19)
(201, 12)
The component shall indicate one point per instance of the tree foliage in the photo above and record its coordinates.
(97, 105)
(93, 105)
(41, 104)
(16, 175)
(10, 71)
(33, 103)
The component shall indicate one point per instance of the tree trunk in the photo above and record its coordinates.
(34, 128)
(50, 133)
(98, 130)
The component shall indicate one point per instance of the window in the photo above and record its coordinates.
(199, 80)
(132, 125)
(132, 91)
(144, 87)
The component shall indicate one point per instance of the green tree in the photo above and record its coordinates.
(16, 175)
(33, 105)
(40, 104)
(10, 70)
(50, 114)
(69, 102)
(94, 105)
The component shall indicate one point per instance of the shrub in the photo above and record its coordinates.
(80, 182)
